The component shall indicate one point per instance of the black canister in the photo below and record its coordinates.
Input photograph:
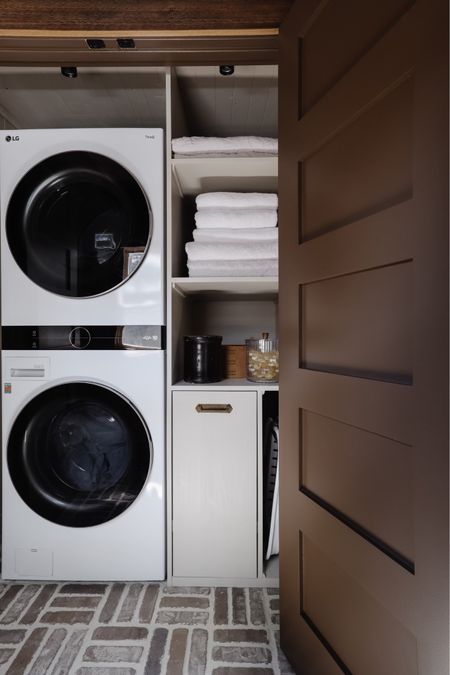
(202, 358)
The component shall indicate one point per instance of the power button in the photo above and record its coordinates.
(79, 337)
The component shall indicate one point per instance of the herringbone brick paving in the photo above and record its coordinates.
(138, 629)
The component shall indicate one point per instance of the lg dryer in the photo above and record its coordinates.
(82, 227)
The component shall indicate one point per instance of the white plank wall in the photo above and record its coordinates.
(41, 98)
(243, 104)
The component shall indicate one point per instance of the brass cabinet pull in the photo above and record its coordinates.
(213, 408)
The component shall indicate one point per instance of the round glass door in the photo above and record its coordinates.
(79, 454)
(73, 222)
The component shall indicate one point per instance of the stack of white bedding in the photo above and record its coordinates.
(236, 235)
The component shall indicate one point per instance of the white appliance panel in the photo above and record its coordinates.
(131, 546)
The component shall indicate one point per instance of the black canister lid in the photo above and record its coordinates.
(203, 338)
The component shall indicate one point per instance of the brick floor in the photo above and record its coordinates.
(138, 629)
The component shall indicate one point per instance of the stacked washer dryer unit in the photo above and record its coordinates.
(82, 297)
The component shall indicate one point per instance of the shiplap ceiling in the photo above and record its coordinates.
(244, 103)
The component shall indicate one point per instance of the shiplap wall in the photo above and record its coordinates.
(5, 123)
(242, 104)
(42, 98)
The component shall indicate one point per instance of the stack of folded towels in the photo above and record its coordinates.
(231, 146)
(236, 235)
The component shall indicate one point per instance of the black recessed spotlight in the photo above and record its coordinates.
(226, 70)
(95, 43)
(69, 71)
(126, 43)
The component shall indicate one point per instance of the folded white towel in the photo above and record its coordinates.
(217, 155)
(236, 218)
(232, 251)
(198, 145)
(233, 268)
(254, 234)
(237, 200)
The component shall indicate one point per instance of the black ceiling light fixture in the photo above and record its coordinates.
(69, 71)
(226, 70)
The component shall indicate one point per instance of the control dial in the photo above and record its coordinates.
(80, 337)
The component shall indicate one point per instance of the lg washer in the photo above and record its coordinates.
(82, 227)
(83, 452)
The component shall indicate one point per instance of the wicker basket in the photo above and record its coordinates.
(234, 361)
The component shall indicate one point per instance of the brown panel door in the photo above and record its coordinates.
(364, 337)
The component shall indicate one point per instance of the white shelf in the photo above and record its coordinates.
(266, 287)
(210, 174)
(225, 385)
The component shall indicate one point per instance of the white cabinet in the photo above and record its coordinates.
(215, 460)
(214, 484)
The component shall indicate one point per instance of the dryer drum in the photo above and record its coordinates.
(70, 219)
(79, 454)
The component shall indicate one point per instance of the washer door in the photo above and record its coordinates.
(79, 454)
(73, 221)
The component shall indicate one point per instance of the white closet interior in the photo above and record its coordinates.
(183, 101)
(205, 103)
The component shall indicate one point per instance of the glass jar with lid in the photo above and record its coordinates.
(262, 359)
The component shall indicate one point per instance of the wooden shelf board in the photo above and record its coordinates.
(225, 385)
(209, 174)
(217, 286)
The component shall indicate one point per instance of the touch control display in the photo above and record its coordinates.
(83, 337)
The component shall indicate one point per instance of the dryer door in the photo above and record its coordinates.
(79, 454)
(74, 220)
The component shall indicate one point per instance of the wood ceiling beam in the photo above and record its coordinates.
(210, 32)
(165, 32)
(142, 15)
(149, 51)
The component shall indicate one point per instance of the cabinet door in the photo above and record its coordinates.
(214, 484)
